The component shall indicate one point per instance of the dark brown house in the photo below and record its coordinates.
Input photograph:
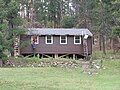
(57, 42)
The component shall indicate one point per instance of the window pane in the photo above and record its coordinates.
(48, 37)
(77, 37)
(77, 41)
(63, 41)
(48, 41)
(34, 39)
(63, 37)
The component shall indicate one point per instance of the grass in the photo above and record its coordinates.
(109, 55)
(51, 78)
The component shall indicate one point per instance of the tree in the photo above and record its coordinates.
(10, 24)
(68, 22)
(116, 31)
(52, 11)
(3, 29)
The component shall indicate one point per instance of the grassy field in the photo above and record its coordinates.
(51, 78)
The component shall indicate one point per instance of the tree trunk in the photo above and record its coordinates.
(11, 26)
(55, 21)
(59, 15)
(100, 43)
(103, 42)
(112, 45)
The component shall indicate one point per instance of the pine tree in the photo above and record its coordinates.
(10, 24)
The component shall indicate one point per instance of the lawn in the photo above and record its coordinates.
(56, 78)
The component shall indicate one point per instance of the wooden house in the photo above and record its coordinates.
(57, 42)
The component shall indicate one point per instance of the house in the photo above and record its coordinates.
(57, 42)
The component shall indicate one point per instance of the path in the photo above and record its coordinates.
(86, 68)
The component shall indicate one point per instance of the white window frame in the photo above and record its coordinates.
(65, 39)
(75, 39)
(51, 39)
(35, 42)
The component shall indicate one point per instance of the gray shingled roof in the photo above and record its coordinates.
(58, 31)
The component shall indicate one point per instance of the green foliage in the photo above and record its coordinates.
(99, 55)
(1, 52)
(116, 31)
(68, 22)
(18, 31)
(11, 25)
(17, 21)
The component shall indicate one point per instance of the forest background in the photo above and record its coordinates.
(101, 17)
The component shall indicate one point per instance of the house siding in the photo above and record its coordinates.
(56, 47)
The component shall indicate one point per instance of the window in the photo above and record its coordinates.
(35, 39)
(49, 39)
(63, 39)
(77, 40)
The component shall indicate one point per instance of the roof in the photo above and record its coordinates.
(58, 31)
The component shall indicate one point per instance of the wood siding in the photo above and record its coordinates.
(56, 47)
